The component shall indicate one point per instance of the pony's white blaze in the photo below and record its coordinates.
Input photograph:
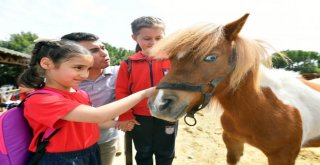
(295, 93)
(157, 100)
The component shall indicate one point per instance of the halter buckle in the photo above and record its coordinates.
(191, 116)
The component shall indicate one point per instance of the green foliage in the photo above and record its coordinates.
(300, 61)
(9, 73)
(22, 42)
(117, 54)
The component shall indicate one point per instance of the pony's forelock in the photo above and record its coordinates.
(199, 39)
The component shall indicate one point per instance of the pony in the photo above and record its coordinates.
(274, 110)
(316, 80)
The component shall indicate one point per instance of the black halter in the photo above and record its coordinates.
(193, 88)
(199, 88)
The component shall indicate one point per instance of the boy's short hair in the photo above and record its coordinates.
(80, 36)
(146, 22)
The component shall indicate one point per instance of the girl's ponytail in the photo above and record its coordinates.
(33, 76)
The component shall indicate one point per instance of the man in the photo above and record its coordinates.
(100, 86)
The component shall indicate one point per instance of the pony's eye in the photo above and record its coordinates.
(210, 58)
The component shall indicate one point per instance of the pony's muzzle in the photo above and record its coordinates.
(166, 102)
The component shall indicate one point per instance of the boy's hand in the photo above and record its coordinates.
(127, 125)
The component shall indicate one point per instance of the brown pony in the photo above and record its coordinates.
(276, 111)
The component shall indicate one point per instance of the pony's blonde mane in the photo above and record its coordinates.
(199, 39)
(202, 39)
(250, 55)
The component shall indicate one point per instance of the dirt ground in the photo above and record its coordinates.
(202, 145)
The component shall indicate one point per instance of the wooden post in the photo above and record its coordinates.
(128, 148)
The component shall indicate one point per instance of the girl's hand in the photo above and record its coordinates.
(108, 124)
(148, 92)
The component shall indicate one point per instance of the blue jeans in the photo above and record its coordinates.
(88, 156)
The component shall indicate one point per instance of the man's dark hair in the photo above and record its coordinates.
(80, 36)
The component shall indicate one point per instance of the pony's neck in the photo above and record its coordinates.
(242, 96)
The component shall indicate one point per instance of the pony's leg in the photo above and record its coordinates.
(234, 148)
(284, 157)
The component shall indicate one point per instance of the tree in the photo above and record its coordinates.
(21, 42)
(300, 61)
(9, 73)
(117, 54)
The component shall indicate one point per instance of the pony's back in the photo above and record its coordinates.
(316, 80)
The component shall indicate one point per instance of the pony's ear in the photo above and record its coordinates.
(232, 29)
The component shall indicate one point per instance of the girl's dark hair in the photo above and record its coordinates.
(57, 51)
(146, 22)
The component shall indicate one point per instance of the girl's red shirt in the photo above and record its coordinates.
(46, 110)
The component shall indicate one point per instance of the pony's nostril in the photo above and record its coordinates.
(165, 104)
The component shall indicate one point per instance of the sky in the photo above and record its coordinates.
(284, 24)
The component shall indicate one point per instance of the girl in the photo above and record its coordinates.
(59, 66)
(152, 135)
